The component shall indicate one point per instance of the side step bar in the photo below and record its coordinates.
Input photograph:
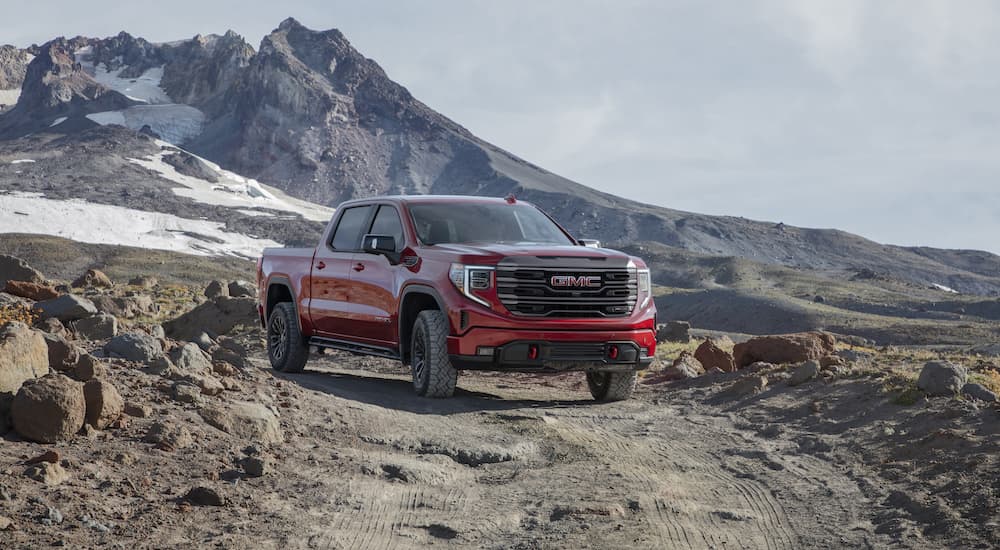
(354, 347)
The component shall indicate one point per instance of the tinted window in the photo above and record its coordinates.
(484, 222)
(387, 223)
(347, 236)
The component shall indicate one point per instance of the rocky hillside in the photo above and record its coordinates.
(309, 114)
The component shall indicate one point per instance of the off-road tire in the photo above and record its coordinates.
(612, 386)
(286, 348)
(433, 373)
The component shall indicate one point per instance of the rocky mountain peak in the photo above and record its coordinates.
(125, 54)
(13, 65)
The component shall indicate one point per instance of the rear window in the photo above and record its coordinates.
(484, 223)
(348, 235)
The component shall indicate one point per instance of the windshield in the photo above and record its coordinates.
(484, 222)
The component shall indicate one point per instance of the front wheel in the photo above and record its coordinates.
(433, 373)
(612, 386)
(286, 348)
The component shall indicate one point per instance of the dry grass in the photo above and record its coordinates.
(17, 313)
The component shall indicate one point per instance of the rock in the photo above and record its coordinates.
(93, 279)
(758, 366)
(16, 269)
(674, 331)
(98, 327)
(168, 436)
(853, 356)
(138, 410)
(218, 316)
(224, 368)
(941, 378)
(786, 348)
(185, 392)
(6, 400)
(819, 299)
(205, 496)
(239, 289)
(683, 368)
(804, 373)
(712, 355)
(24, 355)
(216, 289)
(144, 281)
(229, 356)
(47, 456)
(251, 421)
(746, 387)
(88, 368)
(66, 308)
(255, 466)
(49, 409)
(104, 403)
(208, 385)
(127, 307)
(47, 473)
(162, 366)
(980, 392)
(32, 291)
(204, 341)
(190, 358)
(134, 346)
(6, 523)
(62, 355)
(53, 326)
(831, 360)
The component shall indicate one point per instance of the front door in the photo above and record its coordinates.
(330, 304)
(375, 284)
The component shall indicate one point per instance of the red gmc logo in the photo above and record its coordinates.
(583, 281)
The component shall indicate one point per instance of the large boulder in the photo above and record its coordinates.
(216, 289)
(804, 373)
(97, 327)
(251, 421)
(24, 356)
(786, 348)
(50, 409)
(712, 354)
(32, 291)
(942, 378)
(88, 368)
(674, 331)
(93, 279)
(62, 354)
(66, 308)
(683, 368)
(980, 392)
(104, 403)
(191, 359)
(16, 269)
(214, 317)
(134, 346)
(238, 289)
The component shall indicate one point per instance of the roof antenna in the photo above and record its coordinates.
(511, 199)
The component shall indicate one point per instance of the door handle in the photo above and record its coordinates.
(359, 267)
(321, 265)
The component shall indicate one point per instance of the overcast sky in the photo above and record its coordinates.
(878, 117)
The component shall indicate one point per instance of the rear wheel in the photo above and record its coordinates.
(612, 386)
(433, 373)
(286, 348)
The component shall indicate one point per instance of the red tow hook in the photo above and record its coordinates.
(613, 352)
(533, 351)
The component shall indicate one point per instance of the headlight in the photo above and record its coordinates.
(470, 279)
(645, 287)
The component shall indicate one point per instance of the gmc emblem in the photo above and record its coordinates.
(583, 281)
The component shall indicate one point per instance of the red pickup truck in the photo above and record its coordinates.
(460, 283)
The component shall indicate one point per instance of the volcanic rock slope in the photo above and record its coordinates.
(310, 115)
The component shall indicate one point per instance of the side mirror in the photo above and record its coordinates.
(383, 245)
(590, 243)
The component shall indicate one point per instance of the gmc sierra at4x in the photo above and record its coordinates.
(445, 284)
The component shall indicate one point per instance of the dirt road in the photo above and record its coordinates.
(531, 462)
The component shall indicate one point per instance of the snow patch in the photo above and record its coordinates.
(104, 224)
(23, 161)
(57, 121)
(944, 288)
(255, 213)
(175, 123)
(232, 190)
(9, 97)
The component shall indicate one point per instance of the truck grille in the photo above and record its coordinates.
(578, 292)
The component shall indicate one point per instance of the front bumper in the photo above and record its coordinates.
(552, 351)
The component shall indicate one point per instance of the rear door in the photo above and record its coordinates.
(375, 283)
(330, 305)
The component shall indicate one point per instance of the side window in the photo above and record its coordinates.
(347, 236)
(387, 223)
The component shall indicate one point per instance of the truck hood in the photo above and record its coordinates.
(491, 252)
